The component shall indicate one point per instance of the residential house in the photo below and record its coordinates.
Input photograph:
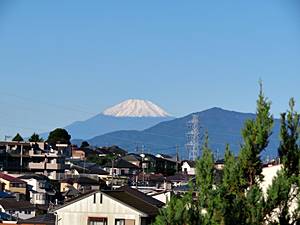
(10, 155)
(13, 184)
(219, 164)
(17, 208)
(50, 162)
(46, 219)
(149, 180)
(82, 184)
(158, 164)
(162, 196)
(40, 189)
(188, 167)
(120, 167)
(82, 167)
(178, 179)
(134, 159)
(6, 219)
(78, 153)
(19, 157)
(117, 207)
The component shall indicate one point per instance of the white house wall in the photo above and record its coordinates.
(78, 212)
(189, 170)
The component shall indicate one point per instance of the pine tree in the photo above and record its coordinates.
(206, 202)
(289, 150)
(175, 213)
(239, 199)
(35, 138)
(284, 191)
(18, 137)
(232, 199)
(205, 173)
(256, 135)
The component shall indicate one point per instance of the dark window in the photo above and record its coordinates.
(27, 212)
(101, 198)
(95, 198)
(97, 221)
(119, 222)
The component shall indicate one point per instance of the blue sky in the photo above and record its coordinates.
(62, 61)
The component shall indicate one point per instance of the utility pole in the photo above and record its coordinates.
(177, 158)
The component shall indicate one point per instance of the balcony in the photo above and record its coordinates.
(54, 166)
(36, 166)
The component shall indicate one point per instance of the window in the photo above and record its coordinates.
(97, 221)
(119, 222)
(17, 185)
(27, 212)
(95, 198)
(40, 197)
(122, 172)
(185, 170)
(101, 197)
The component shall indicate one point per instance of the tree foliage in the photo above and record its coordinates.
(35, 138)
(59, 136)
(84, 144)
(18, 137)
(239, 198)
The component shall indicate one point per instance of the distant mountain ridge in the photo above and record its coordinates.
(223, 126)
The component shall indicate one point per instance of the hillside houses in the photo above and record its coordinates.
(101, 185)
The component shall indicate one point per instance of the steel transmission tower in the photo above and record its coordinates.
(192, 145)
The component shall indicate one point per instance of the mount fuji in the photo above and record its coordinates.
(132, 114)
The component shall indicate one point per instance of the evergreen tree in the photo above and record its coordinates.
(232, 199)
(176, 213)
(289, 150)
(256, 135)
(18, 137)
(59, 136)
(205, 173)
(284, 191)
(239, 199)
(35, 138)
(206, 202)
(84, 144)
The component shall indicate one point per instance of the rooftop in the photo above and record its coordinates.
(47, 219)
(127, 196)
(11, 178)
(121, 163)
(13, 204)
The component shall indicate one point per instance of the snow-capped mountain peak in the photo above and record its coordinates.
(136, 108)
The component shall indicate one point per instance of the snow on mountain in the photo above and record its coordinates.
(136, 108)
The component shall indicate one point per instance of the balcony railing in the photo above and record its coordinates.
(54, 166)
(33, 165)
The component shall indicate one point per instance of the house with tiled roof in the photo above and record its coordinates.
(46, 219)
(17, 208)
(39, 188)
(121, 206)
(12, 184)
(121, 167)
